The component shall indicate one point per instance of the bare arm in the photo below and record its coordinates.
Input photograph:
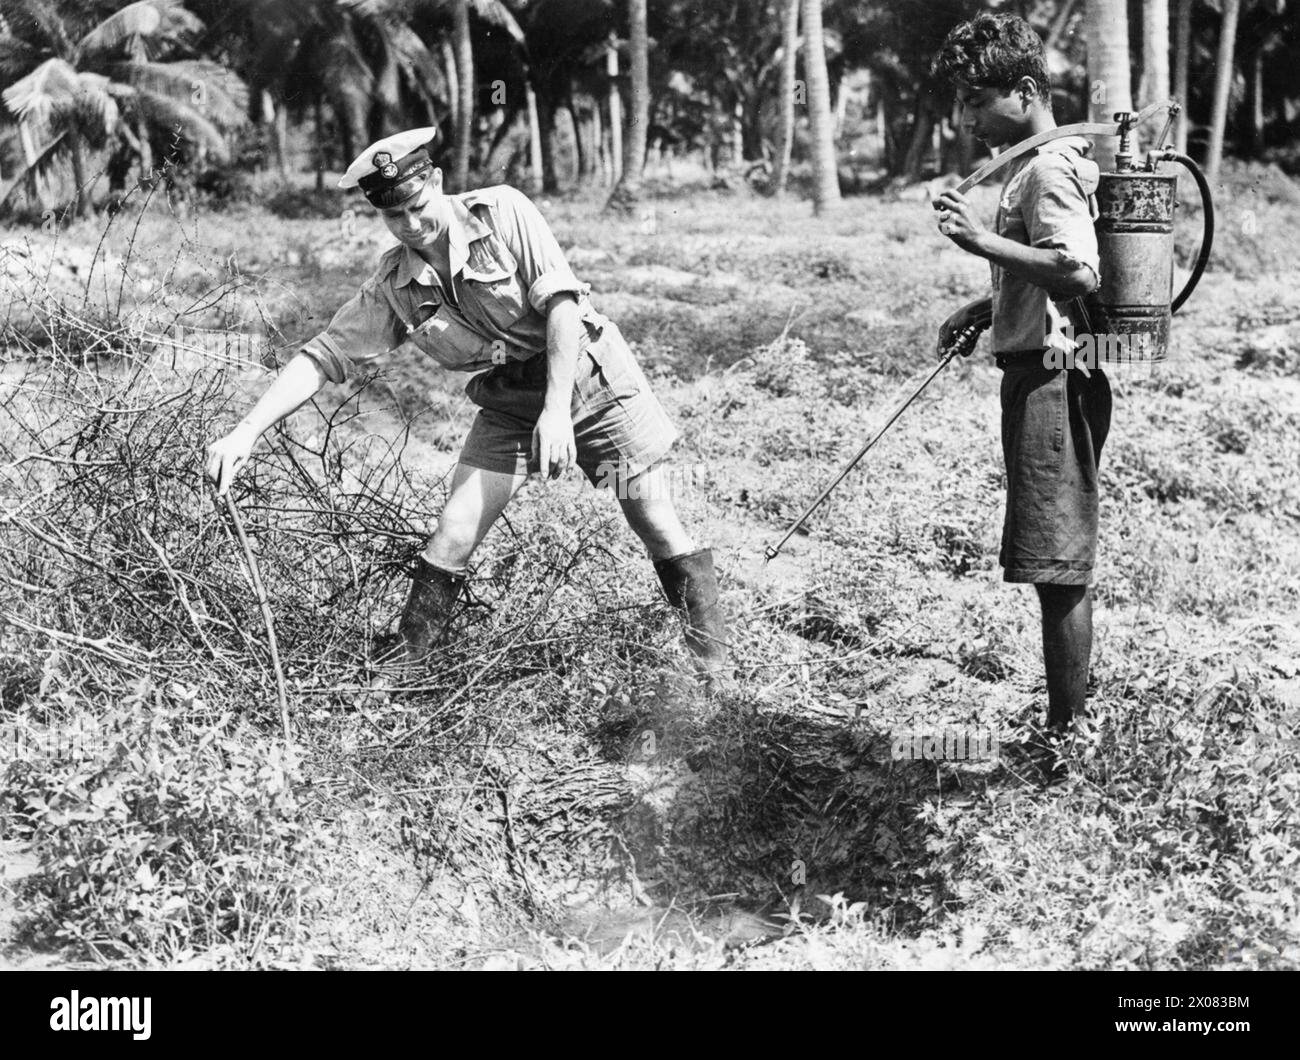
(562, 324)
(1052, 270)
(296, 384)
(553, 444)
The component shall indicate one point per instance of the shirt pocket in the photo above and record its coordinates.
(493, 275)
(450, 341)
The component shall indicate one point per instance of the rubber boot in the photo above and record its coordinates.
(428, 612)
(425, 618)
(691, 585)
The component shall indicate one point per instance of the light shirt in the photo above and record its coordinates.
(1047, 202)
(506, 265)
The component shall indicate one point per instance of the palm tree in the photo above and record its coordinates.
(826, 181)
(1154, 86)
(83, 75)
(1108, 67)
(638, 118)
(789, 57)
(1182, 53)
(1223, 71)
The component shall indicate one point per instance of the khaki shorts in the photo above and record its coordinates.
(1054, 423)
(618, 424)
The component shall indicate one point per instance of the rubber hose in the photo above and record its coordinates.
(1207, 241)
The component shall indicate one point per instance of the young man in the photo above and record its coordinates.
(1042, 253)
(479, 283)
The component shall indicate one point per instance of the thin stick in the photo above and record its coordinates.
(260, 590)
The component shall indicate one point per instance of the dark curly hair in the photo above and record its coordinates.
(993, 51)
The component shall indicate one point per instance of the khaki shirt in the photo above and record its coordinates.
(1047, 201)
(506, 265)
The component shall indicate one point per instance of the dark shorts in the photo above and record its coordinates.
(1054, 423)
(618, 424)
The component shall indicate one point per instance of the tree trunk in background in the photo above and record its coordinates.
(1257, 102)
(789, 59)
(1108, 71)
(1154, 86)
(1059, 23)
(615, 111)
(634, 142)
(36, 189)
(584, 142)
(281, 127)
(963, 143)
(1182, 51)
(922, 128)
(598, 143)
(453, 81)
(146, 149)
(465, 106)
(534, 139)
(318, 111)
(81, 201)
(1223, 70)
(546, 112)
(826, 181)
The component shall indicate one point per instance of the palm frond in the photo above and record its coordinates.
(422, 70)
(93, 106)
(161, 19)
(498, 14)
(35, 98)
(45, 160)
(17, 57)
(198, 83)
(165, 113)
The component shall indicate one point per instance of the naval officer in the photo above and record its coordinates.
(478, 282)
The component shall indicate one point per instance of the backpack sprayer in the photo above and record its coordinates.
(1135, 242)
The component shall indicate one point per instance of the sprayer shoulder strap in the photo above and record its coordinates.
(1030, 143)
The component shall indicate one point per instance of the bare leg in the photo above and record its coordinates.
(1067, 647)
(477, 498)
(647, 505)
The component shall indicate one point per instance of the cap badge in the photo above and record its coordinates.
(383, 162)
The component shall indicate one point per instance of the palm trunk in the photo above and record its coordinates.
(82, 204)
(615, 111)
(634, 143)
(1257, 102)
(826, 183)
(534, 139)
(922, 128)
(1154, 87)
(318, 112)
(465, 73)
(453, 82)
(1182, 49)
(146, 150)
(281, 141)
(598, 143)
(789, 59)
(36, 189)
(1108, 70)
(1223, 71)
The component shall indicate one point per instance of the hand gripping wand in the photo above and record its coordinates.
(961, 345)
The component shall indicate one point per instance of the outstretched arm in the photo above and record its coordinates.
(298, 383)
